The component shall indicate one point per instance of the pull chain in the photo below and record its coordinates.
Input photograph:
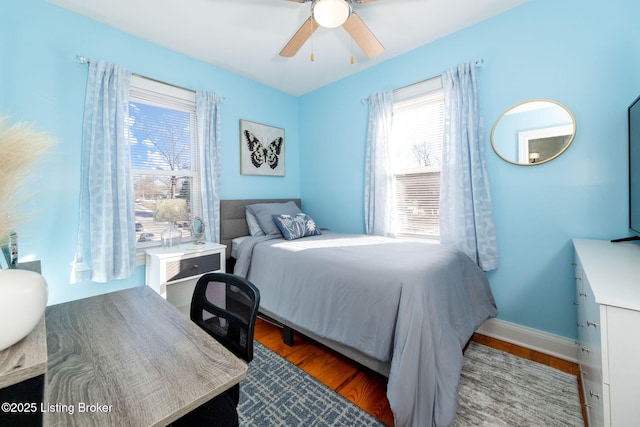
(313, 57)
(353, 59)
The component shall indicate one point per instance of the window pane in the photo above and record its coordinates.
(416, 141)
(164, 154)
(148, 189)
(160, 138)
(418, 204)
(417, 135)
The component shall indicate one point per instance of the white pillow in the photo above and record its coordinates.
(252, 222)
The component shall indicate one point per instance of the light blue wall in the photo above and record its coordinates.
(41, 82)
(583, 54)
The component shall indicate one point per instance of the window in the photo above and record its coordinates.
(164, 153)
(416, 158)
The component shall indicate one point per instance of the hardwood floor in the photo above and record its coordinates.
(360, 385)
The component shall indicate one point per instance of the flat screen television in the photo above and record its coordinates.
(634, 169)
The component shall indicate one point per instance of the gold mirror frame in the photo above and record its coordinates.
(534, 133)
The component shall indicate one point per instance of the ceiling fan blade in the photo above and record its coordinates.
(359, 31)
(300, 37)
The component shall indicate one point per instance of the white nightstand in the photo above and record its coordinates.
(173, 272)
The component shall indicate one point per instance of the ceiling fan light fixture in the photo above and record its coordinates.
(331, 13)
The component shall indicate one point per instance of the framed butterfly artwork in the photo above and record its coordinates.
(261, 149)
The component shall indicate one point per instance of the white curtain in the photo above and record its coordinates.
(466, 213)
(106, 247)
(208, 113)
(378, 188)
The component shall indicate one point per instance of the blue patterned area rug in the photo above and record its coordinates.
(276, 393)
(496, 389)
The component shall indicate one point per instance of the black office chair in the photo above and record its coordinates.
(226, 307)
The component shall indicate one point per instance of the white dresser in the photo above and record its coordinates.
(173, 272)
(608, 301)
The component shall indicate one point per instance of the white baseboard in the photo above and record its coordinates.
(533, 339)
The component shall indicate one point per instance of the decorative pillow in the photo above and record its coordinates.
(264, 212)
(296, 226)
(252, 223)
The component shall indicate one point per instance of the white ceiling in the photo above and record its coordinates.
(245, 36)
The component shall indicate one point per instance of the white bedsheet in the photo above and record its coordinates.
(235, 244)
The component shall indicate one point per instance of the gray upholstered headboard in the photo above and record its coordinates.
(233, 222)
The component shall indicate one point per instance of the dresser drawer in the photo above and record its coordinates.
(188, 267)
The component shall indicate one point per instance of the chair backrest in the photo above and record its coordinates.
(226, 306)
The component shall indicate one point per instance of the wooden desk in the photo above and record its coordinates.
(130, 358)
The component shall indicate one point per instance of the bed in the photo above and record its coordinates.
(405, 309)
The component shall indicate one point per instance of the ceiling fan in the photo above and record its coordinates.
(332, 14)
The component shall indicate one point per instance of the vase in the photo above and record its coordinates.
(23, 299)
(171, 237)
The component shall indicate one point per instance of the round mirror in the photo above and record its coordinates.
(197, 226)
(533, 132)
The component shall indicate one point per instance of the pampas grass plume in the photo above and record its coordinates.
(20, 147)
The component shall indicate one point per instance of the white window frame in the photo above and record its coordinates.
(153, 92)
(403, 98)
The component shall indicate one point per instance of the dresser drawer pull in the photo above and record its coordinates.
(578, 278)
(580, 325)
(594, 324)
(582, 294)
(585, 349)
(192, 266)
(596, 395)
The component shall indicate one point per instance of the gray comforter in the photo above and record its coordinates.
(413, 303)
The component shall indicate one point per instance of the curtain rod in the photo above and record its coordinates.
(84, 60)
(479, 63)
